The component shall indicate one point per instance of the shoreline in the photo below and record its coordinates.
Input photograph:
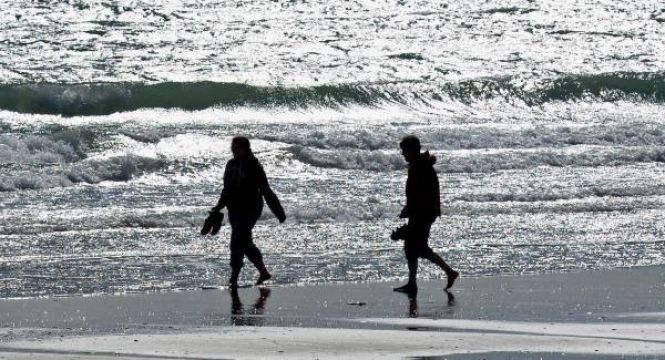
(547, 313)
(250, 284)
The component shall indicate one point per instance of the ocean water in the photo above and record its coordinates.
(115, 120)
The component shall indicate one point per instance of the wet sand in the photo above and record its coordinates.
(612, 313)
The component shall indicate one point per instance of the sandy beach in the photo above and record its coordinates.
(616, 314)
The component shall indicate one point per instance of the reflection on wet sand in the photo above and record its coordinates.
(248, 317)
(413, 305)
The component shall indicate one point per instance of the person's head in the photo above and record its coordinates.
(410, 146)
(240, 148)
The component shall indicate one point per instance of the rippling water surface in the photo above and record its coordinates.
(116, 117)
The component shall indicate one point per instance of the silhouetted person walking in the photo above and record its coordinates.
(245, 187)
(422, 208)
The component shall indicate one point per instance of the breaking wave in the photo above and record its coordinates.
(482, 161)
(119, 168)
(39, 162)
(106, 98)
(35, 150)
(607, 87)
(349, 159)
(477, 137)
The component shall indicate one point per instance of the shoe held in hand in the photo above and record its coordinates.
(212, 223)
(400, 233)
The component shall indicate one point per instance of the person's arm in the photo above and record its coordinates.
(269, 195)
(433, 195)
(226, 191)
(409, 197)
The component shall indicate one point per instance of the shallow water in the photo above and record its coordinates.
(116, 119)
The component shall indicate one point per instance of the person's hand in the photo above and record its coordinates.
(394, 236)
(214, 210)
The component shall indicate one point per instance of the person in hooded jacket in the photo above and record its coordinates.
(245, 187)
(422, 208)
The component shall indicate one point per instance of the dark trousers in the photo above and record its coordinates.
(416, 243)
(242, 244)
(416, 246)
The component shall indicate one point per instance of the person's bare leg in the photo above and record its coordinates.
(264, 275)
(233, 281)
(412, 285)
(239, 237)
(438, 260)
(254, 255)
(450, 273)
(413, 271)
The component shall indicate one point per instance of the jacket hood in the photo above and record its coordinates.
(428, 158)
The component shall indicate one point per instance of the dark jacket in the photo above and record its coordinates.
(422, 190)
(245, 187)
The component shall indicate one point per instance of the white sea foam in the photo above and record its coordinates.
(35, 150)
(40, 162)
(485, 161)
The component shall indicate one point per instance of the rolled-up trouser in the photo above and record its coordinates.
(242, 244)
(416, 242)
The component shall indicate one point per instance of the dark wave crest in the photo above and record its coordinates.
(608, 87)
(107, 98)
